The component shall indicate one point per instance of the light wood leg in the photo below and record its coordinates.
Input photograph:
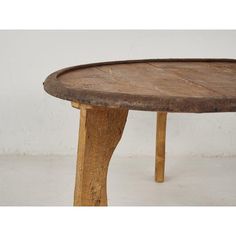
(99, 133)
(160, 146)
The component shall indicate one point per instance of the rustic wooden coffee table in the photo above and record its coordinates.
(104, 92)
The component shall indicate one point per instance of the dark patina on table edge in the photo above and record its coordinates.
(140, 102)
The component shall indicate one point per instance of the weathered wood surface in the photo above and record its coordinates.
(99, 133)
(160, 147)
(171, 85)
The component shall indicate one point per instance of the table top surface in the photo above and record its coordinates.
(172, 85)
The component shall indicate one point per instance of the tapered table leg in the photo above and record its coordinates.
(99, 133)
(160, 147)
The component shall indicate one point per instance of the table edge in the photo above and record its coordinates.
(134, 102)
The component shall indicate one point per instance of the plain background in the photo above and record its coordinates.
(32, 122)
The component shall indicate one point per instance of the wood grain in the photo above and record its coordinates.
(171, 85)
(99, 133)
(160, 147)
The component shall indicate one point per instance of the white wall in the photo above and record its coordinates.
(32, 122)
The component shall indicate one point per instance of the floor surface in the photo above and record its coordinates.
(190, 181)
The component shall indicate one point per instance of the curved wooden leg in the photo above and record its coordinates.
(160, 147)
(99, 133)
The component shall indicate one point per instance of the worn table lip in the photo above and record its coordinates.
(110, 99)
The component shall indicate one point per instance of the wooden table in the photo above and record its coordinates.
(104, 92)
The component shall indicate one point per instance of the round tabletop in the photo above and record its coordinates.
(171, 85)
